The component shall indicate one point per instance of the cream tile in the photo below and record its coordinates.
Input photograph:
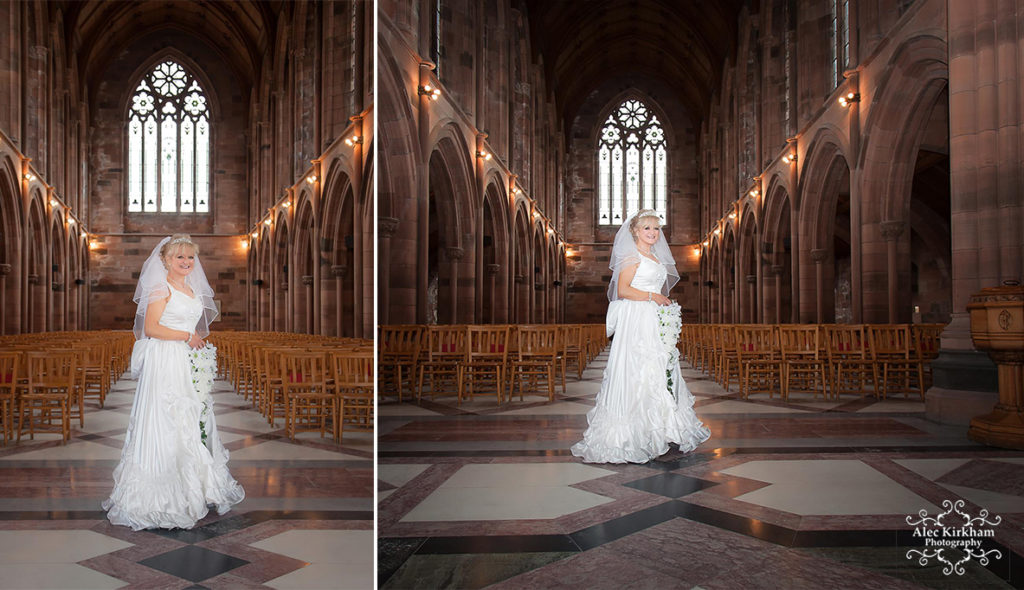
(510, 492)
(54, 547)
(994, 502)
(738, 407)
(399, 474)
(247, 421)
(104, 420)
(933, 469)
(384, 494)
(337, 558)
(274, 450)
(60, 576)
(75, 450)
(827, 487)
(892, 405)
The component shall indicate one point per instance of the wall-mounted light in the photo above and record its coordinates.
(71, 220)
(852, 97)
(255, 235)
(267, 221)
(286, 204)
(311, 178)
(430, 91)
(717, 231)
(30, 177)
(482, 154)
(706, 243)
(94, 245)
(84, 235)
(732, 215)
(754, 193)
(789, 158)
(355, 139)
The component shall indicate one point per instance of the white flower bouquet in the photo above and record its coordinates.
(203, 363)
(670, 325)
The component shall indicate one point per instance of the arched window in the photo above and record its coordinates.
(632, 164)
(169, 143)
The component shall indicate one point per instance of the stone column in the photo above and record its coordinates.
(454, 255)
(521, 305)
(777, 271)
(307, 282)
(752, 290)
(818, 256)
(338, 271)
(5, 269)
(386, 227)
(891, 231)
(492, 282)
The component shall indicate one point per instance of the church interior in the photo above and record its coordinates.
(248, 125)
(844, 170)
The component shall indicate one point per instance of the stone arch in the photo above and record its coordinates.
(449, 222)
(747, 262)
(37, 255)
(520, 267)
(304, 259)
(776, 239)
(10, 247)
(338, 293)
(282, 284)
(495, 254)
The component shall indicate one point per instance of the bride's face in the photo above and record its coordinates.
(180, 262)
(648, 231)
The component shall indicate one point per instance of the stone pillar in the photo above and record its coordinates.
(777, 270)
(338, 271)
(752, 290)
(5, 269)
(891, 231)
(454, 256)
(492, 283)
(423, 188)
(307, 282)
(522, 306)
(386, 227)
(818, 256)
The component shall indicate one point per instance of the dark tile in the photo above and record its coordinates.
(392, 553)
(671, 485)
(599, 534)
(54, 515)
(193, 563)
(751, 527)
(498, 544)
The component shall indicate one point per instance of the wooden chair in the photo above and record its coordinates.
(726, 361)
(309, 405)
(9, 373)
(852, 370)
(574, 349)
(927, 343)
(352, 372)
(445, 350)
(399, 354)
(802, 360)
(52, 379)
(757, 359)
(536, 359)
(896, 363)
(485, 362)
(96, 368)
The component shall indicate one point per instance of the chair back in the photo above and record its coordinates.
(890, 341)
(537, 341)
(754, 341)
(846, 342)
(400, 343)
(9, 373)
(446, 342)
(303, 371)
(352, 371)
(51, 371)
(486, 343)
(799, 341)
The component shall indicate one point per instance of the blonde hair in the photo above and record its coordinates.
(634, 223)
(177, 243)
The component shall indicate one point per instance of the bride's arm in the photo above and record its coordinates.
(628, 292)
(153, 327)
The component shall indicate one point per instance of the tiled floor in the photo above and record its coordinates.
(805, 494)
(306, 522)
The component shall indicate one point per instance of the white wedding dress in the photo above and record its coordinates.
(636, 415)
(167, 477)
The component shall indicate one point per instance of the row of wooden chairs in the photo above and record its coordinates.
(314, 384)
(829, 359)
(471, 360)
(45, 378)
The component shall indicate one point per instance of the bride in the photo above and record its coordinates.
(171, 467)
(639, 411)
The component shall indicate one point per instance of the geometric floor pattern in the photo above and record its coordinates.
(800, 494)
(306, 521)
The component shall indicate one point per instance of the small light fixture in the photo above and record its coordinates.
(852, 97)
(717, 231)
(482, 154)
(267, 221)
(789, 158)
(71, 220)
(93, 245)
(732, 215)
(311, 178)
(53, 203)
(245, 244)
(706, 242)
(83, 235)
(355, 139)
(30, 177)
(430, 91)
(255, 234)
(754, 193)
(286, 204)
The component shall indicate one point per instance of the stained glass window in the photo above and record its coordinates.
(169, 143)
(840, 37)
(632, 164)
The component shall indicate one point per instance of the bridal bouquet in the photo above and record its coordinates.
(203, 363)
(670, 324)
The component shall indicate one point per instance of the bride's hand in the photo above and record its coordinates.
(660, 299)
(196, 342)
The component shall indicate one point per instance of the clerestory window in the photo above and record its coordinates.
(632, 164)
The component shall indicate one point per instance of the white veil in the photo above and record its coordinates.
(153, 286)
(625, 254)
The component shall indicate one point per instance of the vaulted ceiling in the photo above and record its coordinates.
(240, 29)
(585, 44)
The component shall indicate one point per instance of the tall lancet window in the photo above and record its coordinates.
(632, 164)
(169, 143)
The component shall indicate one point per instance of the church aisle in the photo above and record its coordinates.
(805, 494)
(306, 521)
